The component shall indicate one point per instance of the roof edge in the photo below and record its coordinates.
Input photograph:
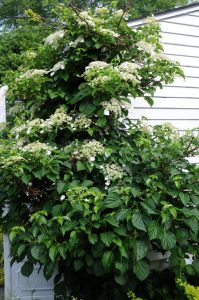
(168, 14)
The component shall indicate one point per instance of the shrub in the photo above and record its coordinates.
(90, 191)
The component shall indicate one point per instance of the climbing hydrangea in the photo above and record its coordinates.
(89, 150)
(88, 187)
(114, 106)
(112, 172)
(54, 38)
(36, 147)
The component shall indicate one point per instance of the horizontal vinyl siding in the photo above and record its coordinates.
(185, 20)
(190, 30)
(182, 39)
(177, 103)
(196, 13)
(2, 105)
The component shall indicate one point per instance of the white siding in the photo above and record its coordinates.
(177, 103)
(2, 104)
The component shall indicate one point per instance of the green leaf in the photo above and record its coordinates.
(90, 131)
(27, 269)
(190, 270)
(107, 259)
(168, 240)
(26, 178)
(87, 108)
(122, 230)
(153, 230)
(111, 219)
(78, 264)
(38, 174)
(84, 92)
(61, 187)
(107, 238)
(121, 278)
(92, 237)
(101, 122)
(65, 76)
(48, 270)
(63, 250)
(112, 201)
(135, 192)
(137, 220)
(192, 223)
(81, 166)
(89, 260)
(149, 100)
(123, 213)
(21, 250)
(190, 212)
(123, 252)
(185, 198)
(35, 251)
(57, 210)
(12, 236)
(149, 206)
(141, 269)
(195, 264)
(53, 252)
(122, 266)
(140, 249)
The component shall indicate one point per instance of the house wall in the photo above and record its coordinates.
(2, 104)
(177, 103)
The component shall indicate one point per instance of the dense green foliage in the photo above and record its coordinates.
(17, 46)
(91, 192)
(11, 10)
(24, 36)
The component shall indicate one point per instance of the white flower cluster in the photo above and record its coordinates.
(30, 54)
(100, 80)
(17, 108)
(85, 19)
(102, 10)
(160, 56)
(33, 72)
(96, 65)
(105, 31)
(79, 40)
(151, 20)
(54, 38)
(57, 120)
(60, 65)
(145, 127)
(14, 159)
(114, 106)
(112, 172)
(41, 72)
(127, 71)
(129, 77)
(146, 47)
(119, 13)
(81, 122)
(90, 150)
(37, 147)
(129, 67)
(27, 127)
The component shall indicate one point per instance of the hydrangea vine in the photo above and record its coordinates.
(90, 192)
